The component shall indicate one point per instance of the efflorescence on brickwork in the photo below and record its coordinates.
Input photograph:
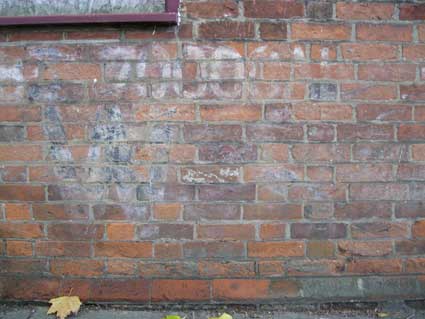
(261, 151)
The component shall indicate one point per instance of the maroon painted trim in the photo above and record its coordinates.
(170, 16)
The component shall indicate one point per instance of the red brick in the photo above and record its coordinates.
(123, 249)
(68, 71)
(121, 267)
(210, 133)
(226, 232)
(384, 32)
(320, 249)
(62, 249)
(364, 173)
(169, 270)
(276, 51)
(240, 289)
(365, 248)
(415, 265)
(226, 30)
(321, 132)
(272, 211)
(168, 250)
(320, 173)
(414, 52)
(180, 112)
(162, 231)
(93, 35)
(35, 36)
(275, 152)
(20, 153)
(167, 211)
(369, 51)
(275, 249)
(358, 132)
(130, 290)
(384, 112)
(180, 290)
(411, 132)
(14, 174)
(271, 268)
(213, 249)
(71, 231)
(60, 211)
(324, 71)
(120, 231)
(237, 192)
(28, 288)
(211, 211)
(211, 9)
(412, 12)
(374, 266)
(414, 92)
(230, 112)
(318, 231)
(322, 111)
(360, 91)
(283, 288)
(317, 192)
(379, 191)
(315, 267)
(273, 9)
(410, 209)
(387, 72)
(25, 231)
(359, 210)
(18, 248)
(320, 31)
(379, 230)
(323, 52)
(364, 11)
(418, 229)
(226, 269)
(18, 211)
(273, 30)
(320, 152)
(274, 133)
(81, 268)
(272, 231)
(273, 173)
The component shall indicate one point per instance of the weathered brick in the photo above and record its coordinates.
(207, 211)
(275, 249)
(237, 192)
(273, 30)
(412, 12)
(364, 11)
(123, 249)
(384, 32)
(274, 133)
(213, 9)
(81, 268)
(226, 232)
(369, 51)
(271, 211)
(318, 231)
(319, 10)
(222, 269)
(323, 91)
(226, 30)
(365, 248)
(320, 31)
(240, 289)
(180, 290)
(273, 9)
(379, 230)
(230, 113)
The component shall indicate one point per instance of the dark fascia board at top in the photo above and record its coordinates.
(169, 16)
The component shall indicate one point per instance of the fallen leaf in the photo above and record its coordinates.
(382, 314)
(223, 316)
(64, 306)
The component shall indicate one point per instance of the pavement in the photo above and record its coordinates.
(388, 310)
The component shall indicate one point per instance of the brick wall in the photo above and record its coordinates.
(262, 150)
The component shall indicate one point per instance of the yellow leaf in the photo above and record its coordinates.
(64, 306)
(382, 314)
(223, 316)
